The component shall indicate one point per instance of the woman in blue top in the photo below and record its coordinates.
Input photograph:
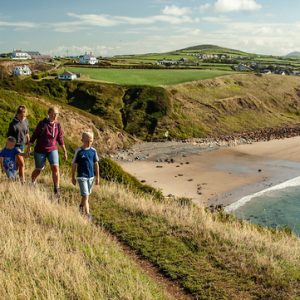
(86, 162)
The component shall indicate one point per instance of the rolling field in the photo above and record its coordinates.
(147, 77)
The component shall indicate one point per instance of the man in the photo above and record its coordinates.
(47, 135)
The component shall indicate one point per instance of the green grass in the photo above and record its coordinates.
(211, 256)
(147, 77)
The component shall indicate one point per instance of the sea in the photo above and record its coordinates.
(278, 206)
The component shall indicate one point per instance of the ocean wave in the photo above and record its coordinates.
(289, 183)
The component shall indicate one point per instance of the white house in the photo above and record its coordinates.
(67, 76)
(21, 70)
(20, 55)
(88, 59)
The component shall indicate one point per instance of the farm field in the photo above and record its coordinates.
(147, 77)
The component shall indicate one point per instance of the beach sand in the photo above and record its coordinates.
(215, 176)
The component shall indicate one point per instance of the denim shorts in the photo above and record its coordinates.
(85, 185)
(11, 174)
(40, 159)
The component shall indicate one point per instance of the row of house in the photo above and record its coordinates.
(27, 55)
(168, 62)
(279, 70)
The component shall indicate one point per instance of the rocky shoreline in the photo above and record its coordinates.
(165, 150)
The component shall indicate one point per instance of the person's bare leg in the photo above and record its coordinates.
(55, 178)
(21, 167)
(35, 174)
(85, 204)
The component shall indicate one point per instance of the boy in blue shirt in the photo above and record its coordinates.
(85, 161)
(8, 158)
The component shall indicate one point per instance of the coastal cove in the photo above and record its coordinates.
(213, 175)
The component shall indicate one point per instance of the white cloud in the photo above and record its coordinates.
(218, 19)
(204, 7)
(236, 5)
(84, 21)
(17, 25)
(77, 50)
(174, 10)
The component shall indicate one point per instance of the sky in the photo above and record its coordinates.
(107, 28)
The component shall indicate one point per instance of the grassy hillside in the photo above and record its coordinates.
(212, 107)
(49, 252)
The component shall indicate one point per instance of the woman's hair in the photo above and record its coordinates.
(20, 109)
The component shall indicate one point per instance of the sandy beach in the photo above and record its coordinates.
(213, 175)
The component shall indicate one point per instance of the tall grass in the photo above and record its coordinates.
(47, 251)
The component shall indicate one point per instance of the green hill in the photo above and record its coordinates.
(295, 54)
(207, 49)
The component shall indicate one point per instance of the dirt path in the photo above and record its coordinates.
(170, 286)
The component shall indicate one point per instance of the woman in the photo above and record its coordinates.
(19, 129)
(47, 135)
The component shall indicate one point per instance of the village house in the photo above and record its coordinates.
(242, 68)
(88, 59)
(67, 76)
(20, 55)
(21, 70)
(167, 62)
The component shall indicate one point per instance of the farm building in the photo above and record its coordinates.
(67, 76)
(88, 59)
(21, 55)
(21, 70)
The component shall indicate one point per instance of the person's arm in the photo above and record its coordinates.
(34, 136)
(60, 140)
(11, 130)
(97, 172)
(65, 151)
(74, 167)
(97, 168)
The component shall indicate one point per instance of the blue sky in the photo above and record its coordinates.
(143, 26)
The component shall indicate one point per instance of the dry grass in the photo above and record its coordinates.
(47, 251)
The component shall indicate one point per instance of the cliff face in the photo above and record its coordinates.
(235, 103)
(213, 107)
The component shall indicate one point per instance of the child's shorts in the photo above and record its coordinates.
(11, 174)
(85, 185)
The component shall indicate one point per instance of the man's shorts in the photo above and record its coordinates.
(40, 159)
(85, 185)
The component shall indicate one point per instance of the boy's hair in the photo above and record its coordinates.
(20, 109)
(53, 109)
(11, 139)
(87, 135)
